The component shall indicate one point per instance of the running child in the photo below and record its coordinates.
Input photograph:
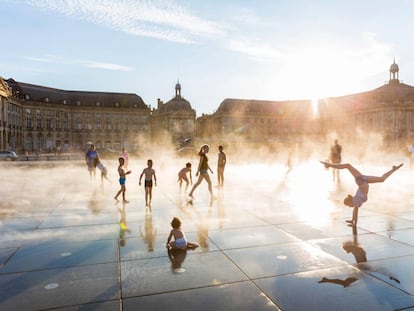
(182, 175)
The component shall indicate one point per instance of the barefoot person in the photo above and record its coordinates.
(202, 171)
(182, 176)
(221, 163)
(363, 182)
(177, 239)
(122, 178)
(149, 174)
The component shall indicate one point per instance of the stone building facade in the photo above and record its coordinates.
(174, 119)
(34, 118)
(387, 110)
(51, 119)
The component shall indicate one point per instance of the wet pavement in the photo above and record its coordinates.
(271, 240)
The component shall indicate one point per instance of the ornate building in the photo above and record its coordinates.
(174, 119)
(10, 119)
(36, 118)
(387, 110)
(50, 118)
(258, 120)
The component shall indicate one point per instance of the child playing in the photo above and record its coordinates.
(104, 171)
(149, 173)
(180, 241)
(122, 179)
(182, 175)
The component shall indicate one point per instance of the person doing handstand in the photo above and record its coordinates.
(363, 182)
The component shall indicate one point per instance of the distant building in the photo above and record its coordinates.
(387, 110)
(34, 118)
(258, 120)
(51, 118)
(174, 119)
(7, 119)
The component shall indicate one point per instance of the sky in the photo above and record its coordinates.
(257, 49)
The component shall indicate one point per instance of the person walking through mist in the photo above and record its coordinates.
(335, 156)
(363, 181)
(221, 163)
(202, 171)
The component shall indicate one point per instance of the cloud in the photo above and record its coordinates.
(109, 66)
(158, 19)
(49, 58)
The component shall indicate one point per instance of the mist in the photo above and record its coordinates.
(42, 200)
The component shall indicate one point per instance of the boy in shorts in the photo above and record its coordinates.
(149, 173)
(122, 179)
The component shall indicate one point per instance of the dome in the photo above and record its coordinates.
(394, 67)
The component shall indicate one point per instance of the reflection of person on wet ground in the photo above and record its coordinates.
(355, 248)
(104, 171)
(122, 179)
(180, 240)
(123, 227)
(149, 233)
(335, 157)
(177, 257)
(149, 173)
(363, 182)
(182, 175)
(221, 163)
(344, 283)
(202, 171)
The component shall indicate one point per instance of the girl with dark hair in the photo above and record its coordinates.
(202, 171)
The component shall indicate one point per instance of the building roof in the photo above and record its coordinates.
(389, 93)
(251, 106)
(85, 98)
(175, 104)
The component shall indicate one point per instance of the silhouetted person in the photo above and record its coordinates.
(335, 157)
(221, 163)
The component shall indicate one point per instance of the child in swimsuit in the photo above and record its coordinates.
(180, 240)
(122, 179)
(363, 181)
(182, 175)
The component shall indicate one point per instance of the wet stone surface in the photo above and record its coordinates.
(270, 240)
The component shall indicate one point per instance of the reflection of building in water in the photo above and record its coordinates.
(35, 117)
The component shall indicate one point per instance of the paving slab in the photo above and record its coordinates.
(46, 289)
(305, 291)
(234, 296)
(270, 240)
